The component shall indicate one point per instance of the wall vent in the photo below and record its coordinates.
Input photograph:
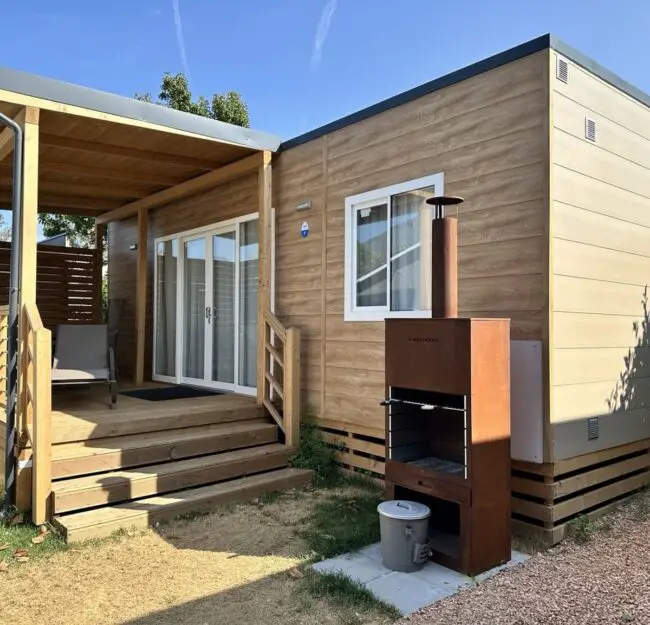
(562, 70)
(593, 429)
(590, 128)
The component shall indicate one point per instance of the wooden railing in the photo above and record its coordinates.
(281, 376)
(35, 408)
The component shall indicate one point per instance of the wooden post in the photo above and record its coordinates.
(141, 296)
(42, 433)
(28, 264)
(291, 387)
(98, 273)
(30, 207)
(265, 225)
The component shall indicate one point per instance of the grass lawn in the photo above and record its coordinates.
(239, 564)
(22, 542)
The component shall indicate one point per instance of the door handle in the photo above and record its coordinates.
(208, 313)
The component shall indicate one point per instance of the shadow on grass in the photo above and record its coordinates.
(335, 521)
(341, 523)
(281, 599)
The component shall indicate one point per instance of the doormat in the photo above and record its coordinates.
(166, 393)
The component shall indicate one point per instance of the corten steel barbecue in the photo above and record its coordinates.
(448, 417)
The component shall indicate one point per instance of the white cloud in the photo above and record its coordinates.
(321, 33)
(180, 39)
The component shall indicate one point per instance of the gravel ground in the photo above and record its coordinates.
(604, 581)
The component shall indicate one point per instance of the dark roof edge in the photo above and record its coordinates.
(122, 106)
(492, 62)
(513, 54)
(596, 68)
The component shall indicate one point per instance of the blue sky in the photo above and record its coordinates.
(302, 63)
(294, 74)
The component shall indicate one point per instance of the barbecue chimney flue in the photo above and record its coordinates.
(444, 258)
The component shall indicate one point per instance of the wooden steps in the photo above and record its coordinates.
(110, 454)
(139, 514)
(119, 486)
(146, 460)
(141, 417)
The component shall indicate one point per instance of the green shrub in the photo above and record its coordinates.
(582, 529)
(317, 455)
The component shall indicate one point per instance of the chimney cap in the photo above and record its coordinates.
(445, 200)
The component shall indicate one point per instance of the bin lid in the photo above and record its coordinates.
(401, 509)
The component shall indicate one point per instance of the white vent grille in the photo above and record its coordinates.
(562, 70)
(590, 129)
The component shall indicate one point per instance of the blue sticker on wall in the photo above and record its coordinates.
(304, 230)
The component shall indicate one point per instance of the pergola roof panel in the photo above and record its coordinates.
(49, 94)
(93, 160)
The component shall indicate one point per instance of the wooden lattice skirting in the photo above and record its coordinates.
(358, 453)
(547, 497)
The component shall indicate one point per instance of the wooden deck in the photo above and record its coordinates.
(82, 414)
(147, 460)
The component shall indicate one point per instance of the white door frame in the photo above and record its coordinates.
(205, 232)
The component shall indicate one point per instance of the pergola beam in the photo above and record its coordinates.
(145, 178)
(68, 143)
(190, 187)
(70, 203)
(264, 229)
(140, 295)
(28, 113)
(116, 193)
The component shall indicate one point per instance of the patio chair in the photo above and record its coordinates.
(82, 355)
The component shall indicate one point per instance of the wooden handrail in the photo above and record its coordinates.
(275, 324)
(35, 406)
(33, 317)
(281, 376)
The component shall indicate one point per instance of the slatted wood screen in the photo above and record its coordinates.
(68, 283)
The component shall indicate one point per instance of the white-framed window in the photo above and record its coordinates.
(388, 251)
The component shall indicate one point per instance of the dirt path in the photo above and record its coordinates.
(229, 567)
(603, 582)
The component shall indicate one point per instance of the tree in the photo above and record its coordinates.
(80, 230)
(175, 93)
(5, 229)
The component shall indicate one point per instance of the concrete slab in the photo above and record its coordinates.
(373, 552)
(355, 565)
(406, 591)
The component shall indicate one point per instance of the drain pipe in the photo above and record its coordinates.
(12, 326)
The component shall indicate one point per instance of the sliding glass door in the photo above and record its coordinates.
(224, 295)
(195, 307)
(206, 307)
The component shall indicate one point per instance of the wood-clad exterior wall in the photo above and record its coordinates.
(600, 262)
(488, 135)
(231, 199)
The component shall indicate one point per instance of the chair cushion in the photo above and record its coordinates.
(81, 348)
(79, 375)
